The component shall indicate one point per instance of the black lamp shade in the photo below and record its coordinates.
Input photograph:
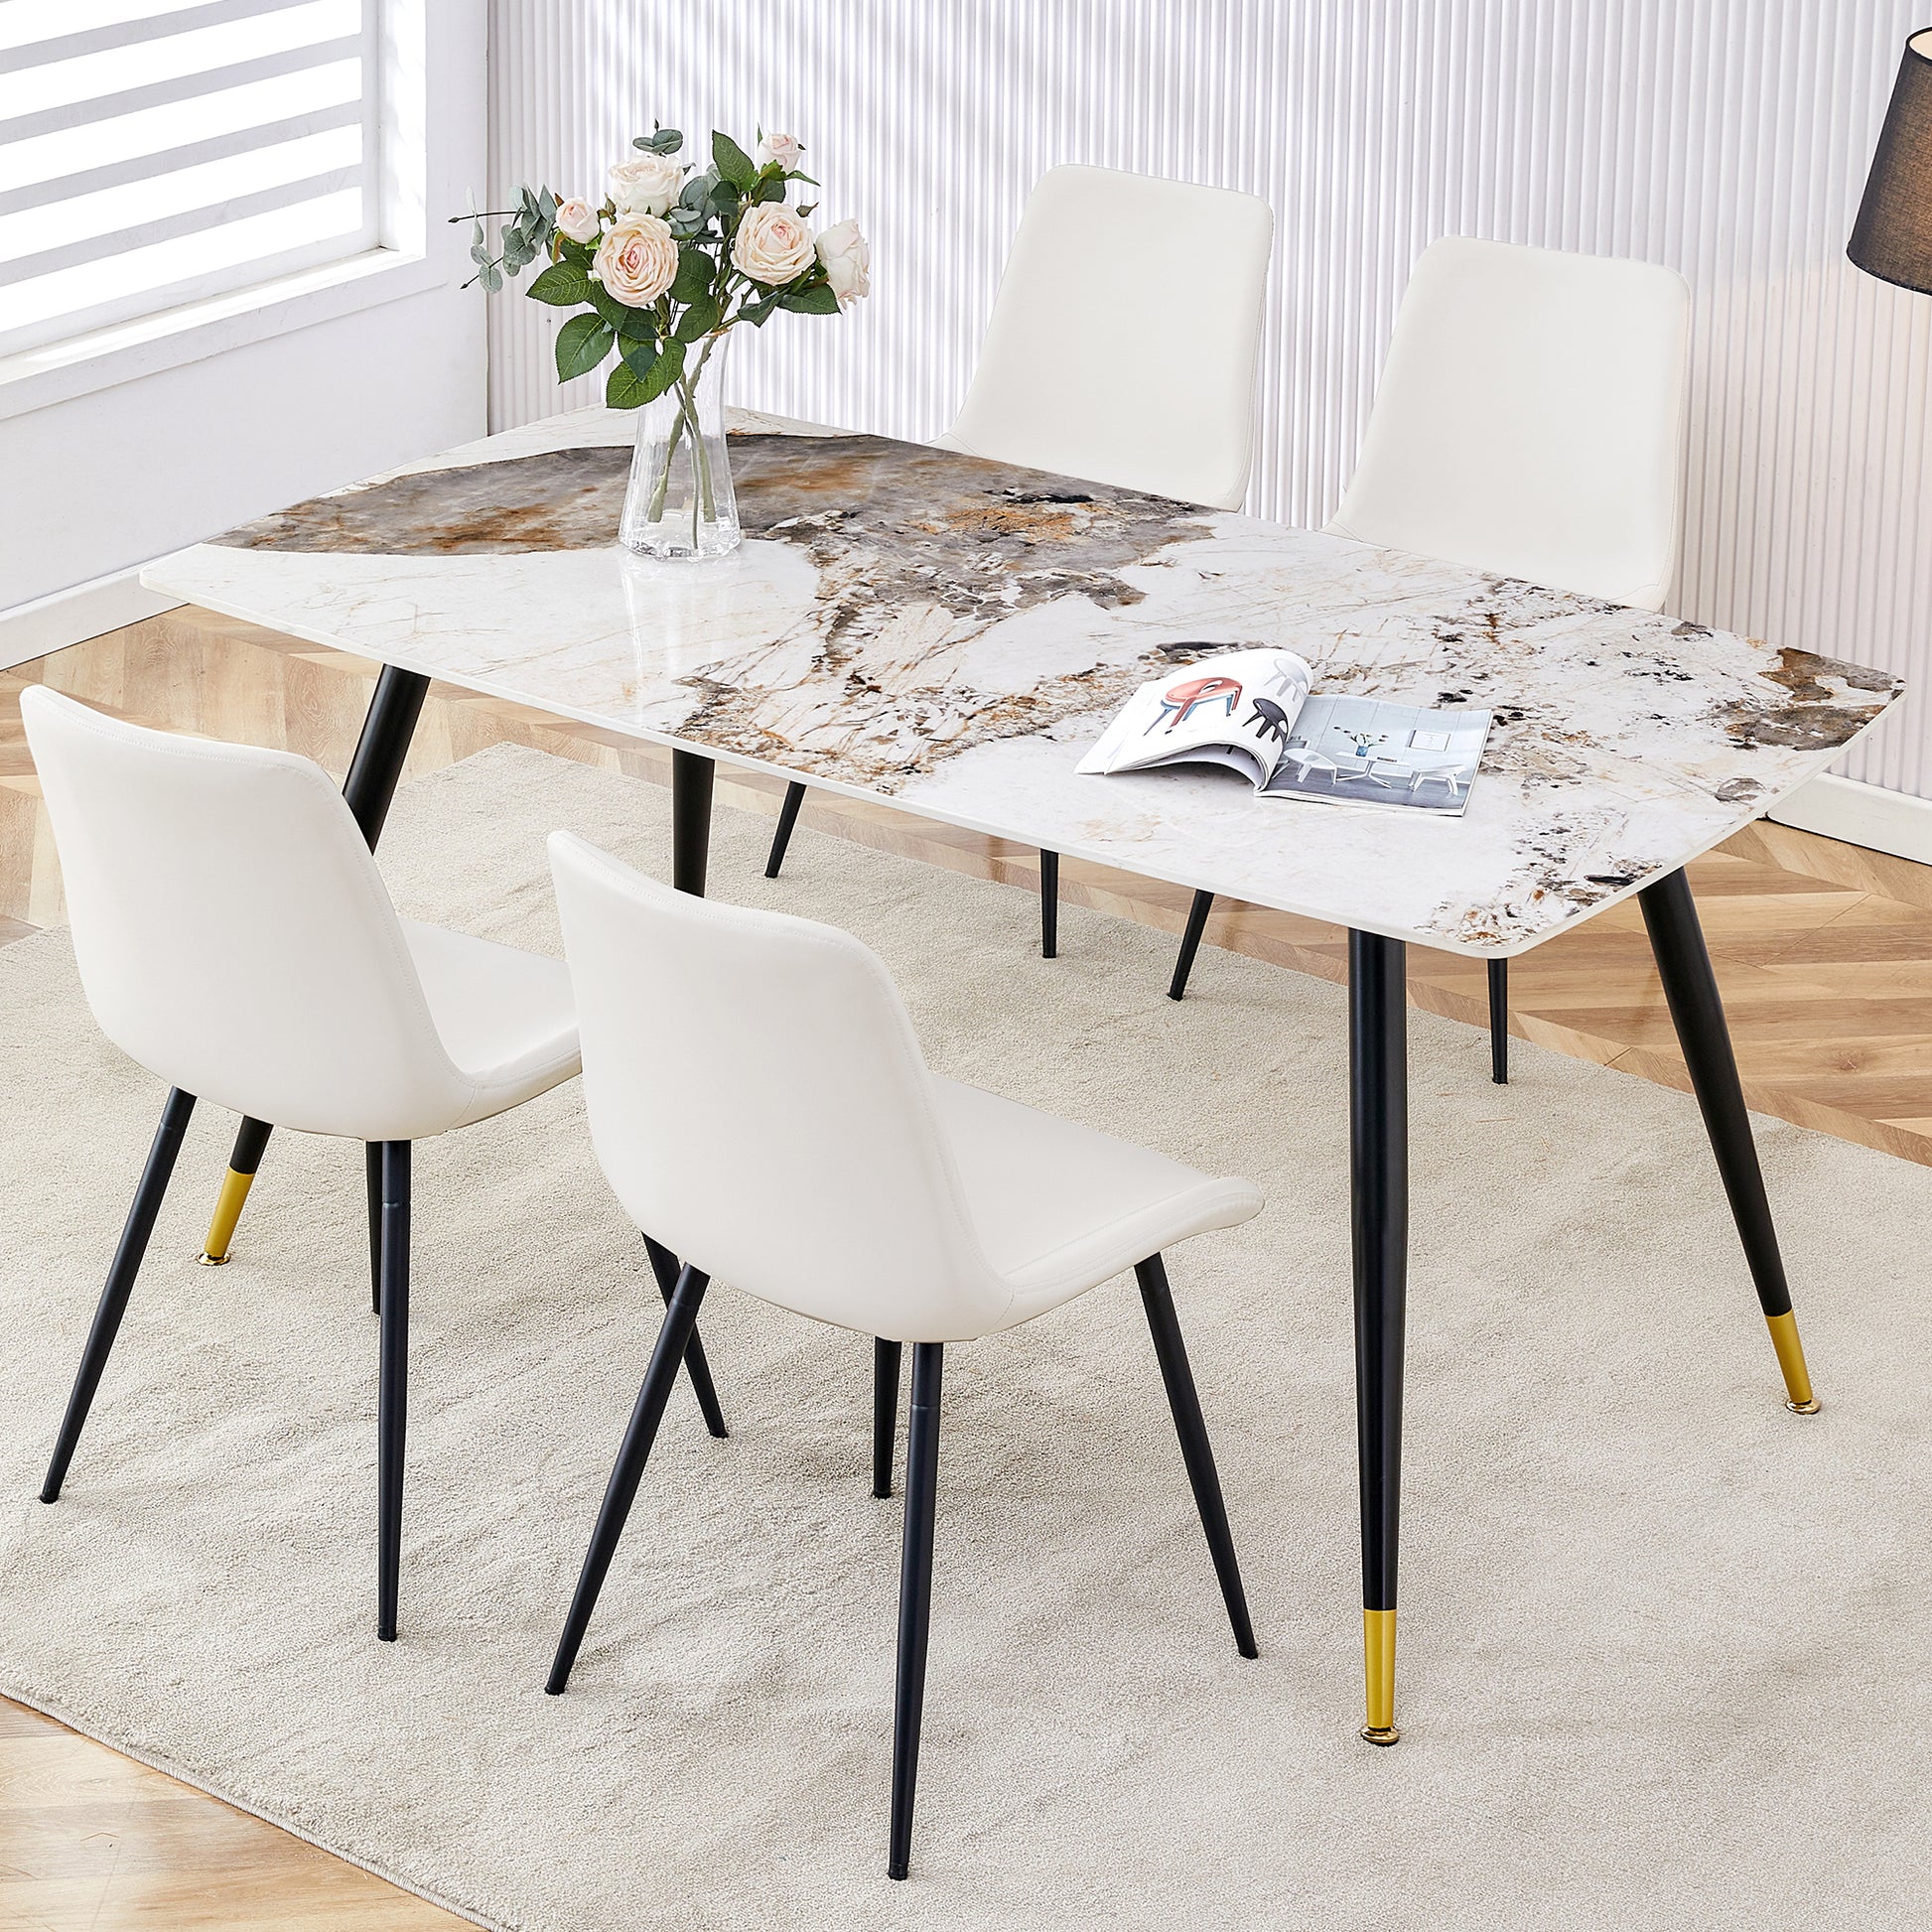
(1894, 235)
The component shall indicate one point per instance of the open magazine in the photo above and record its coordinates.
(1251, 711)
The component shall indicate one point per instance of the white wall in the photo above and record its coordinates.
(1728, 138)
(110, 479)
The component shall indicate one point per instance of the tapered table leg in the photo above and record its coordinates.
(1698, 1014)
(691, 778)
(374, 775)
(1378, 1153)
(1499, 1021)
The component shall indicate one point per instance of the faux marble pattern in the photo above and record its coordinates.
(952, 635)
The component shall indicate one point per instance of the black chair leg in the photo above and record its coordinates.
(1191, 944)
(393, 1382)
(621, 1491)
(1499, 1021)
(914, 1595)
(120, 1283)
(664, 1264)
(1196, 1451)
(788, 818)
(884, 1413)
(1050, 906)
(372, 1188)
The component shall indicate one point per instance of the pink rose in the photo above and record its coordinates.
(846, 257)
(773, 245)
(637, 260)
(576, 221)
(786, 148)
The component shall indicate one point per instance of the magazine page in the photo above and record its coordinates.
(1369, 751)
(1236, 710)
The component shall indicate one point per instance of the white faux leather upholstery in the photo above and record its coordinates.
(1123, 341)
(759, 1103)
(1530, 420)
(234, 937)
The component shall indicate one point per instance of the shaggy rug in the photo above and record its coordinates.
(1662, 1645)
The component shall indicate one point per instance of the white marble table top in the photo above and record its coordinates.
(948, 634)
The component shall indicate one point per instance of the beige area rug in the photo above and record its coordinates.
(1664, 1647)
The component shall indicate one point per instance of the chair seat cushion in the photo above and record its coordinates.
(1060, 1207)
(505, 1018)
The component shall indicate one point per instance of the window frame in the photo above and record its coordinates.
(401, 262)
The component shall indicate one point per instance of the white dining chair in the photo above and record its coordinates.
(758, 1099)
(1079, 374)
(307, 1003)
(1530, 423)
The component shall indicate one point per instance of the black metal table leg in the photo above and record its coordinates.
(1378, 1156)
(691, 777)
(1050, 906)
(781, 836)
(374, 775)
(1203, 904)
(1499, 1021)
(1698, 1014)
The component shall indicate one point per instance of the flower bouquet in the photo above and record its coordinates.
(671, 260)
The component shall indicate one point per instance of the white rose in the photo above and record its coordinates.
(774, 246)
(647, 184)
(576, 221)
(847, 256)
(637, 260)
(784, 149)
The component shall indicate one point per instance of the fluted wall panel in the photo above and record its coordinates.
(1728, 138)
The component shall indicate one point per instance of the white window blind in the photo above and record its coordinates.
(154, 154)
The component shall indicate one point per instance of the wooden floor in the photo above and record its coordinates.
(1823, 950)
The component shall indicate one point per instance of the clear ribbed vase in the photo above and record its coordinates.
(680, 502)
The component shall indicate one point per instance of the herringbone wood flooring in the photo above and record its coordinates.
(1824, 952)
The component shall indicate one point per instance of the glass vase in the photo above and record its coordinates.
(680, 502)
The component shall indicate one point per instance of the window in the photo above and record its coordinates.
(155, 154)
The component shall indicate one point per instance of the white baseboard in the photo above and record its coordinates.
(47, 623)
(1861, 814)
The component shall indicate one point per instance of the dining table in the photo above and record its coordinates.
(945, 634)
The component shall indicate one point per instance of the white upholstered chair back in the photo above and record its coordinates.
(1123, 341)
(1530, 420)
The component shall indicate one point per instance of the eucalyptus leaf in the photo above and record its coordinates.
(697, 191)
(490, 276)
(582, 343)
(815, 301)
(564, 285)
(547, 206)
(733, 163)
(663, 140)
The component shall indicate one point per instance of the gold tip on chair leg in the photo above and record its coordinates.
(1791, 1359)
(1378, 1663)
(227, 1211)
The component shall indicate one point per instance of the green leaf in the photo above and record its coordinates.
(665, 370)
(698, 321)
(817, 300)
(694, 272)
(607, 306)
(582, 343)
(733, 163)
(575, 251)
(624, 388)
(724, 199)
(637, 325)
(771, 188)
(564, 285)
(640, 355)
